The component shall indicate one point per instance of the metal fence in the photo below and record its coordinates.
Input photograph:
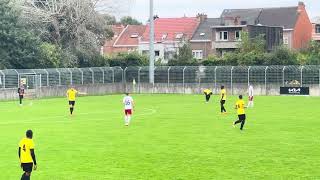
(229, 76)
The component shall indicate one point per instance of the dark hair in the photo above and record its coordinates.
(29, 134)
(222, 87)
(240, 97)
(127, 94)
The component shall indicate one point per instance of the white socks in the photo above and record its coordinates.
(250, 104)
(127, 120)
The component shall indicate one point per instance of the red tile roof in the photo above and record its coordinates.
(130, 36)
(172, 27)
(117, 29)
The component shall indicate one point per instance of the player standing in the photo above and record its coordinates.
(27, 156)
(21, 93)
(223, 98)
(250, 103)
(240, 111)
(71, 94)
(128, 108)
(208, 94)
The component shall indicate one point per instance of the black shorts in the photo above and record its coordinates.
(223, 101)
(21, 96)
(72, 103)
(27, 167)
(242, 117)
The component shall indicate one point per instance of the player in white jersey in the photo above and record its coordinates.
(128, 108)
(250, 103)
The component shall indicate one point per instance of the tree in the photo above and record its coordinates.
(183, 57)
(311, 56)
(72, 25)
(128, 20)
(18, 47)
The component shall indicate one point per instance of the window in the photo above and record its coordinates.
(157, 53)
(197, 54)
(222, 36)
(179, 36)
(237, 35)
(318, 29)
(134, 35)
(164, 36)
(285, 40)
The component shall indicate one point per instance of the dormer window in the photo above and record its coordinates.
(179, 36)
(134, 35)
(164, 36)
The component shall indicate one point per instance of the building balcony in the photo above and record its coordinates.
(225, 44)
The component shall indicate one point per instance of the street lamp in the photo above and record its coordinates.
(151, 45)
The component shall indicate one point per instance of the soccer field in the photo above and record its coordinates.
(171, 137)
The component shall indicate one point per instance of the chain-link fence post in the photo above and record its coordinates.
(18, 77)
(81, 75)
(183, 80)
(169, 78)
(112, 75)
(249, 76)
(71, 82)
(301, 76)
(265, 79)
(59, 73)
(92, 73)
(124, 78)
(48, 84)
(231, 82)
(139, 79)
(102, 70)
(283, 78)
(215, 79)
(3, 80)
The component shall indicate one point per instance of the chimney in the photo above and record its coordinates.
(301, 6)
(202, 17)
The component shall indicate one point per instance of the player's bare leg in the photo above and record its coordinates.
(126, 120)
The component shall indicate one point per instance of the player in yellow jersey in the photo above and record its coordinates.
(208, 94)
(223, 98)
(71, 94)
(241, 113)
(27, 156)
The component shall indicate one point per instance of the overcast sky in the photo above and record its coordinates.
(178, 8)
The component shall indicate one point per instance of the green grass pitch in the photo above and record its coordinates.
(171, 137)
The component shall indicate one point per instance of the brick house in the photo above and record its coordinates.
(170, 34)
(201, 41)
(316, 29)
(126, 39)
(227, 38)
(295, 21)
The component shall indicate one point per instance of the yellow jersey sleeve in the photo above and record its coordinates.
(31, 144)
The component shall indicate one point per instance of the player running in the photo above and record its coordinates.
(208, 94)
(21, 93)
(27, 156)
(223, 98)
(71, 94)
(128, 108)
(250, 103)
(241, 114)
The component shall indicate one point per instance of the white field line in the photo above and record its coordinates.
(67, 117)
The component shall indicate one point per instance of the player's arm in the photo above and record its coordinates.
(33, 155)
(19, 150)
(222, 95)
